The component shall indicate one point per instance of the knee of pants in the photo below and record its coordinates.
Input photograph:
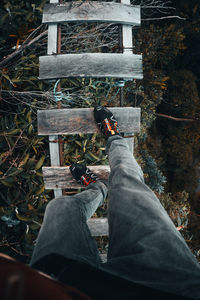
(62, 203)
(123, 169)
(123, 173)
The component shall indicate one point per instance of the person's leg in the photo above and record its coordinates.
(64, 230)
(144, 245)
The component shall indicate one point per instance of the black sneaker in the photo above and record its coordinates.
(106, 122)
(82, 174)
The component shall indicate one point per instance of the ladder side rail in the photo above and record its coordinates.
(127, 44)
(53, 147)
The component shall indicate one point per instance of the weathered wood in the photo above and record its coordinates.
(127, 37)
(127, 43)
(98, 226)
(91, 65)
(60, 177)
(93, 11)
(81, 120)
(55, 161)
(53, 148)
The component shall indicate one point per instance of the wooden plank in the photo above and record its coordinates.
(81, 120)
(60, 177)
(91, 11)
(91, 65)
(98, 226)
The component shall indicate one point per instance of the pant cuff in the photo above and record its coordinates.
(110, 139)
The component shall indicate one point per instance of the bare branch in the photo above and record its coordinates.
(24, 46)
(10, 152)
(32, 33)
(159, 7)
(162, 18)
(175, 119)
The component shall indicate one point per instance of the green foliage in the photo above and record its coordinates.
(88, 149)
(160, 45)
(181, 139)
(177, 207)
(153, 176)
(18, 20)
(22, 195)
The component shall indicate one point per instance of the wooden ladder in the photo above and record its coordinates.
(54, 123)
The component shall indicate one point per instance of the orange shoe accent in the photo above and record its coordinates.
(108, 126)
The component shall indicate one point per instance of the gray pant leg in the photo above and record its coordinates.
(64, 230)
(145, 247)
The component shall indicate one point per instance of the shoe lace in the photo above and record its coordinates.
(110, 125)
(88, 177)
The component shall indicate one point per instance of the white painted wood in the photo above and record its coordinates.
(54, 151)
(91, 11)
(127, 37)
(52, 38)
(127, 42)
(55, 160)
(53, 147)
(96, 65)
(52, 35)
(98, 226)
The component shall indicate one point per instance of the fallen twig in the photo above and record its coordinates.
(162, 18)
(175, 119)
(24, 46)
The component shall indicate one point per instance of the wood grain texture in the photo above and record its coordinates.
(91, 65)
(98, 226)
(93, 11)
(81, 120)
(60, 177)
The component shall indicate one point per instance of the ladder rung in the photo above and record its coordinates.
(96, 65)
(98, 226)
(81, 120)
(60, 177)
(92, 12)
